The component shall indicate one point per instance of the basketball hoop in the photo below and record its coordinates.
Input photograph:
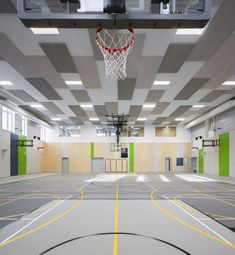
(115, 47)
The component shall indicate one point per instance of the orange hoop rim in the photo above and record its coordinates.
(115, 50)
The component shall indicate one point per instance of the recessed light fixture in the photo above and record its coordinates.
(149, 106)
(198, 106)
(189, 31)
(161, 82)
(86, 106)
(141, 119)
(37, 106)
(93, 119)
(179, 119)
(6, 83)
(45, 31)
(55, 119)
(229, 83)
(73, 82)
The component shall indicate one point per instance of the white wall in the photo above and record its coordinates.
(4, 155)
(88, 134)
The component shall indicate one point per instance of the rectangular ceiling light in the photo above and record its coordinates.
(141, 119)
(55, 119)
(229, 83)
(149, 106)
(73, 82)
(6, 83)
(161, 82)
(45, 31)
(93, 119)
(189, 31)
(198, 106)
(179, 119)
(86, 106)
(37, 106)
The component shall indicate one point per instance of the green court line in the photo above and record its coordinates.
(224, 155)
(201, 161)
(131, 157)
(92, 150)
(22, 157)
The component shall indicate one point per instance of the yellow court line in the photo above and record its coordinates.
(189, 225)
(115, 239)
(70, 209)
(218, 199)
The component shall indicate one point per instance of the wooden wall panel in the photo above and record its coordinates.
(143, 157)
(187, 154)
(79, 157)
(99, 150)
(51, 158)
(167, 150)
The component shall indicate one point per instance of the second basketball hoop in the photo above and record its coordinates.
(115, 46)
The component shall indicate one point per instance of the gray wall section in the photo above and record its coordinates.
(4, 153)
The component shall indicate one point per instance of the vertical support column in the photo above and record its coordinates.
(14, 155)
(92, 150)
(22, 157)
(224, 155)
(201, 161)
(131, 157)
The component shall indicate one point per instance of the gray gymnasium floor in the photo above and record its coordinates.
(117, 214)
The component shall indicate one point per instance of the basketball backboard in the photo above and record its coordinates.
(135, 13)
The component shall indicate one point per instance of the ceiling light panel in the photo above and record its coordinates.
(190, 31)
(229, 83)
(161, 83)
(45, 31)
(73, 82)
(6, 83)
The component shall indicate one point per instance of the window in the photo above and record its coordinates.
(69, 131)
(8, 119)
(165, 131)
(179, 161)
(43, 133)
(24, 122)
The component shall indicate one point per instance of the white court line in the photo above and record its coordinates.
(164, 178)
(203, 224)
(107, 178)
(205, 178)
(34, 220)
(141, 178)
(193, 178)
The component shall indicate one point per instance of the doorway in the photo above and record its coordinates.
(168, 165)
(65, 165)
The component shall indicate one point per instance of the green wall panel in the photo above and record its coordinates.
(201, 161)
(92, 150)
(21, 158)
(224, 155)
(131, 157)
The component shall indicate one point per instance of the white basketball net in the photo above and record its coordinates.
(115, 46)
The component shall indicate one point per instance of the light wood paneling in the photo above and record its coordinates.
(187, 155)
(124, 165)
(165, 132)
(99, 150)
(107, 166)
(51, 158)
(119, 165)
(113, 165)
(167, 150)
(79, 157)
(143, 157)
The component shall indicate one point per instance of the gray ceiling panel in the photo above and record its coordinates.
(1, 58)
(180, 110)
(2, 98)
(112, 107)
(100, 110)
(220, 27)
(88, 71)
(14, 57)
(192, 86)
(160, 107)
(148, 68)
(126, 89)
(135, 110)
(22, 95)
(76, 120)
(60, 57)
(81, 96)
(154, 96)
(51, 107)
(159, 120)
(213, 95)
(44, 88)
(134, 57)
(174, 58)
(6, 6)
(46, 70)
(35, 112)
(139, 123)
(78, 110)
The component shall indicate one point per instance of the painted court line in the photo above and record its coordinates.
(164, 178)
(34, 220)
(141, 178)
(199, 221)
(193, 178)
